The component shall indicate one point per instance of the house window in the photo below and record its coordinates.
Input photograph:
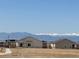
(73, 46)
(29, 44)
(44, 43)
(21, 44)
(65, 46)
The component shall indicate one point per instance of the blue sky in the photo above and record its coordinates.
(37, 16)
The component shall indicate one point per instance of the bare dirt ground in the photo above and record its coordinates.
(42, 53)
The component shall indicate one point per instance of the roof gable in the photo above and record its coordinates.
(28, 38)
(62, 40)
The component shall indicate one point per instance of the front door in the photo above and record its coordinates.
(73, 46)
(44, 44)
(21, 45)
(29, 45)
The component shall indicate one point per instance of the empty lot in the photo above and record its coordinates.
(42, 53)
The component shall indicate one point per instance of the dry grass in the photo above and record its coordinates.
(35, 52)
(43, 53)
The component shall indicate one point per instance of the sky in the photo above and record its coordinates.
(37, 16)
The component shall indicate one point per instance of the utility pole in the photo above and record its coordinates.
(8, 41)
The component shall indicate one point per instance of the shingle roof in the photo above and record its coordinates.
(29, 37)
(63, 40)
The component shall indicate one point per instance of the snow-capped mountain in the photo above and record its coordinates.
(57, 36)
(76, 34)
(41, 36)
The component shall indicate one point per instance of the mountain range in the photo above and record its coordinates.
(46, 37)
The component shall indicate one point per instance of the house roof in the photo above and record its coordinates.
(63, 40)
(2, 40)
(28, 38)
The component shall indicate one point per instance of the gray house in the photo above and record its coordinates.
(64, 44)
(11, 43)
(2, 43)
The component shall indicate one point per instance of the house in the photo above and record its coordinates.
(31, 42)
(2, 43)
(44, 44)
(52, 45)
(11, 43)
(64, 44)
(77, 45)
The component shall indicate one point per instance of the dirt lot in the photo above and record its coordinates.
(42, 53)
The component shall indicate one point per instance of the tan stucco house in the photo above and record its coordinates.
(30, 42)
